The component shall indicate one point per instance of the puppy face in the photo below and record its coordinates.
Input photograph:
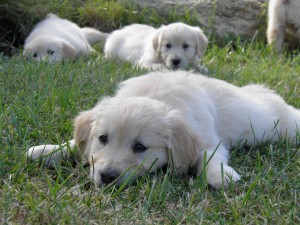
(123, 137)
(128, 137)
(179, 45)
(48, 48)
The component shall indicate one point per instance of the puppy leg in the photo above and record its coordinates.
(92, 35)
(275, 35)
(213, 167)
(51, 154)
(276, 25)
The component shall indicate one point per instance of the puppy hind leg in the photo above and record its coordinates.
(92, 35)
(290, 125)
(51, 154)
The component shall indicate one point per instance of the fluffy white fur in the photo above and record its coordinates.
(176, 45)
(163, 118)
(284, 17)
(57, 39)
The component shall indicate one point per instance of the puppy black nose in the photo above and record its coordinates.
(109, 176)
(176, 62)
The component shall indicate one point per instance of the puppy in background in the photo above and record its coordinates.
(284, 17)
(174, 46)
(57, 39)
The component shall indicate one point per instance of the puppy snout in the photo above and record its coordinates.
(109, 176)
(176, 62)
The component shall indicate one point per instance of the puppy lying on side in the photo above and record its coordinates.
(174, 46)
(284, 17)
(58, 39)
(174, 118)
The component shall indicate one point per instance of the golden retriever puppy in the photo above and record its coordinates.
(284, 17)
(57, 39)
(175, 118)
(174, 46)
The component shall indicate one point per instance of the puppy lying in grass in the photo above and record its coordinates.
(284, 17)
(57, 39)
(174, 46)
(186, 120)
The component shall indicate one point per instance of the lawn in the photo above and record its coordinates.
(40, 100)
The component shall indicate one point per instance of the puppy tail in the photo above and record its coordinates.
(52, 154)
(92, 35)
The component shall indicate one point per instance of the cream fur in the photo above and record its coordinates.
(283, 17)
(158, 49)
(57, 39)
(163, 118)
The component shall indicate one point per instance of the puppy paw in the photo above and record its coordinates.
(158, 67)
(49, 154)
(203, 70)
(215, 178)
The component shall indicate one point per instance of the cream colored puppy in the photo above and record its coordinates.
(57, 39)
(174, 46)
(174, 118)
(284, 17)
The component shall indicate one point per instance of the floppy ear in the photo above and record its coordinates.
(82, 128)
(156, 41)
(25, 53)
(68, 51)
(83, 125)
(201, 42)
(184, 143)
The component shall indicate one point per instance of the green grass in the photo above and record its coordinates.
(39, 101)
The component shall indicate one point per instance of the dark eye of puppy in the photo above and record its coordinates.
(168, 46)
(139, 147)
(185, 46)
(34, 55)
(103, 139)
(50, 52)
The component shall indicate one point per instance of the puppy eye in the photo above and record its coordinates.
(34, 55)
(50, 52)
(139, 147)
(185, 46)
(168, 46)
(103, 139)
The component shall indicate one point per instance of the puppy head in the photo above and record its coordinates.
(45, 47)
(179, 45)
(131, 136)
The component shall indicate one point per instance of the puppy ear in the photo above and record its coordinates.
(68, 51)
(184, 143)
(156, 41)
(83, 124)
(82, 128)
(201, 41)
(25, 53)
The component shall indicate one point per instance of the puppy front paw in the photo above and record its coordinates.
(46, 153)
(215, 178)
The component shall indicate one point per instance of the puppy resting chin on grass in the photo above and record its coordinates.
(57, 39)
(173, 118)
(173, 46)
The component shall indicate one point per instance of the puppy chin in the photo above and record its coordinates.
(170, 65)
